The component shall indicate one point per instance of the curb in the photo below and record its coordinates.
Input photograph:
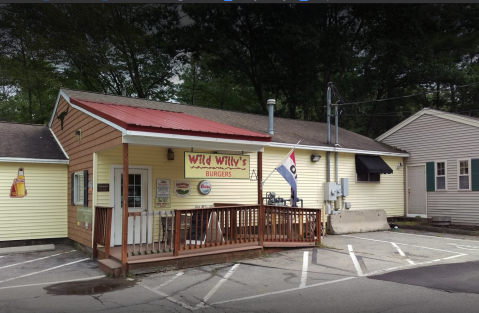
(440, 230)
(23, 249)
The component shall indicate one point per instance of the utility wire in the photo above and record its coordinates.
(402, 97)
(392, 114)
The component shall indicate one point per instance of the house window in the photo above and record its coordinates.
(368, 177)
(441, 176)
(464, 177)
(78, 183)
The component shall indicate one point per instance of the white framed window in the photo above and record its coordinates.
(368, 177)
(441, 175)
(78, 183)
(464, 174)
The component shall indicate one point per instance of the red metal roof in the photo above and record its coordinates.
(158, 121)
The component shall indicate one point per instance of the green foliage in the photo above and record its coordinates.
(235, 57)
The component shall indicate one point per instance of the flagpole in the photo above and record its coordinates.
(264, 181)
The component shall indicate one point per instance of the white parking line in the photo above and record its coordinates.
(429, 236)
(283, 291)
(53, 282)
(304, 274)
(45, 270)
(218, 285)
(454, 256)
(404, 244)
(402, 253)
(355, 261)
(169, 281)
(169, 298)
(46, 257)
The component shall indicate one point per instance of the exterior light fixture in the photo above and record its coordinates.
(171, 154)
(315, 157)
(78, 134)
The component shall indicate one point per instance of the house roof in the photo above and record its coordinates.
(29, 141)
(286, 131)
(153, 120)
(468, 120)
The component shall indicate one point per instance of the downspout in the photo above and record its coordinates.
(336, 144)
(328, 154)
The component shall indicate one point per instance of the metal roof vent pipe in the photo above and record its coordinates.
(271, 103)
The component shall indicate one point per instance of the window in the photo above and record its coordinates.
(368, 177)
(464, 175)
(441, 176)
(134, 191)
(79, 188)
(78, 183)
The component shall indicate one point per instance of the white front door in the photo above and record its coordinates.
(137, 202)
(416, 189)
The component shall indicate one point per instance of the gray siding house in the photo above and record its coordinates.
(442, 172)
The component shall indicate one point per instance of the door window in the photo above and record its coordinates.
(134, 191)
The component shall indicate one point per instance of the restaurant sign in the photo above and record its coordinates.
(213, 165)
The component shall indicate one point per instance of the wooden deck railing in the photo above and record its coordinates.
(186, 229)
(288, 224)
(216, 226)
(152, 232)
(102, 231)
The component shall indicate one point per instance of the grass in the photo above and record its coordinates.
(323, 246)
(213, 272)
(408, 223)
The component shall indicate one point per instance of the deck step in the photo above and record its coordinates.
(110, 266)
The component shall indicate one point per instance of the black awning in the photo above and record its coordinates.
(371, 164)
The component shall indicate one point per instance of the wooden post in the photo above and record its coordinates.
(109, 212)
(318, 226)
(323, 216)
(124, 225)
(177, 233)
(261, 217)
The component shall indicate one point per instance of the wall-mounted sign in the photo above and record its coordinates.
(162, 187)
(212, 165)
(18, 189)
(162, 202)
(182, 188)
(204, 187)
(103, 187)
(84, 214)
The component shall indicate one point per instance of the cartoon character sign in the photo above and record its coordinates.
(18, 189)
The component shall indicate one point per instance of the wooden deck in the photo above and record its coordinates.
(210, 235)
(152, 262)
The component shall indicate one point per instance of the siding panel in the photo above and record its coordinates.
(96, 136)
(430, 138)
(40, 214)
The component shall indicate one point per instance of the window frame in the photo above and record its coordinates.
(436, 175)
(77, 188)
(459, 174)
(368, 181)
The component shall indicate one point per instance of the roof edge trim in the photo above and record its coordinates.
(401, 125)
(334, 149)
(194, 138)
(59, 144)
(61, 93)
(101, 119)
(29, 160)
(441, 114)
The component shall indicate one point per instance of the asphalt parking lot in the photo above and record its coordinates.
(368, 272)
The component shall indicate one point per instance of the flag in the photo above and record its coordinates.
(287, 169)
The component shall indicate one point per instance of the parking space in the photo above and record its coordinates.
(43, 268)
(342, 259)
(279, 282)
